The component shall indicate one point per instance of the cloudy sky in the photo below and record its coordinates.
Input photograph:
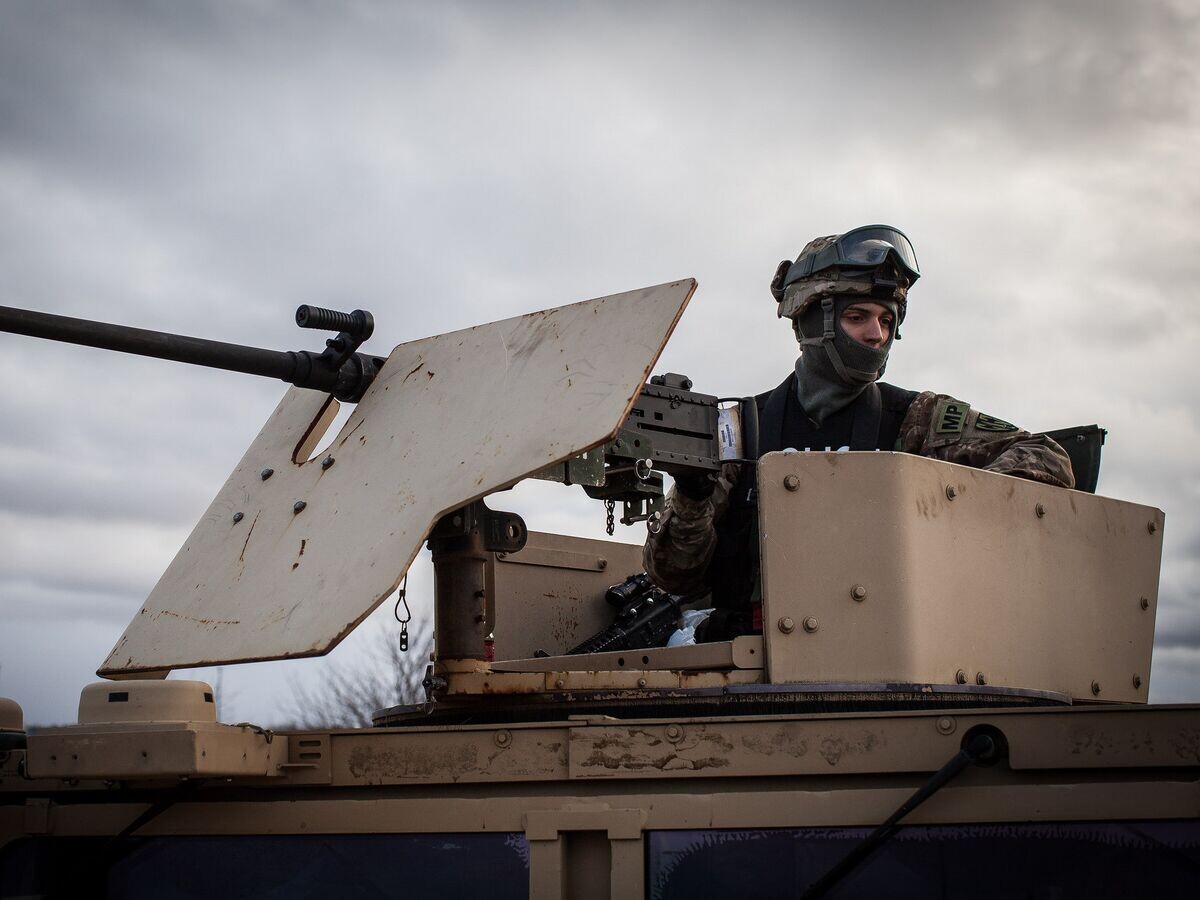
(205, 168)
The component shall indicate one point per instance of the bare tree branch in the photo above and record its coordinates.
(381, 677)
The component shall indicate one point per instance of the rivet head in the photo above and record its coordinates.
(237, 517)
(1137, 681)
(960, 676)
(792, 482)
(787, 625)
(327, 462)
(674, 733)
(1152, 527)
(503, 738)
(266, 473)
(602, 564)
(1144, 603)
(946, 725)
(858, 592)
(1040, 510)
(641, 682)
(810, 624)
(980, 678)
(1096, 688)
(951, 492)
(559, 683)
(298, 506)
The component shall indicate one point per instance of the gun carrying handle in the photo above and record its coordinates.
(359, 324)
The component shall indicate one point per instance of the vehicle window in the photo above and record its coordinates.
(267, 867)
(1085, 860)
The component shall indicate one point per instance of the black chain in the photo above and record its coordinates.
(401, 597)
(609, 506)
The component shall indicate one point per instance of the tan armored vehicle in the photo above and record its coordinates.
(947, 697)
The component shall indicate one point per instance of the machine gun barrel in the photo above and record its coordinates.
(338, 370)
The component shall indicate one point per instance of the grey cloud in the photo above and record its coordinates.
(105, 498)
(113, 437)
(476, 122)
(1175, 675)
(1177, 623)
(1174, 634)
(1083, 71)
(51, 600)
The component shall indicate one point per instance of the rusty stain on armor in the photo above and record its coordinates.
(779, 742)
(1089, 742)
(1187, 745)
(415, 762)
(665, 763)
(249, 531)
(212, 622)
(640, 750)
(833, 748)
(928, 505)
(357, 426)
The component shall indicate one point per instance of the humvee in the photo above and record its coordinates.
(948, 696)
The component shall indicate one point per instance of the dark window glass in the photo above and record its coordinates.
(296, 867)
(1090, 861)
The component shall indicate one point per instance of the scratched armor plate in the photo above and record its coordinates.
(287, 566)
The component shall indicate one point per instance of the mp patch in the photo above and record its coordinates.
(951, 417)
(991, 423)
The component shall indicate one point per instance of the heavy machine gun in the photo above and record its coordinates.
(670, 428)
(666, 428)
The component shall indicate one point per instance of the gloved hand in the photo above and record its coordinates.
(696, 487)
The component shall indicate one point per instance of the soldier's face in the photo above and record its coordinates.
(868, 323)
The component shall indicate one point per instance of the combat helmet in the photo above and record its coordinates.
(872, 262)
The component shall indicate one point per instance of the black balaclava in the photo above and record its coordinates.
(833, 368)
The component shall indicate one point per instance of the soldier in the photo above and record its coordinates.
(846, 296)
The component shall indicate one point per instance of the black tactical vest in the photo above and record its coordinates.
(871, 422)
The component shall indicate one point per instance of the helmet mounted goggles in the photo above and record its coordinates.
(866, 247)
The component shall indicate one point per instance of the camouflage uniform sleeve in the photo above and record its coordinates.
(940, 427)
(677, 555)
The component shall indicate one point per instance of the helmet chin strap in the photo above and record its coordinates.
(826, 340)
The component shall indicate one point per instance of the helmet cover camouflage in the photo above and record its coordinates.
(887, 281)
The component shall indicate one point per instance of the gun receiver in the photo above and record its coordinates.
(338, 370)
(671, 429)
